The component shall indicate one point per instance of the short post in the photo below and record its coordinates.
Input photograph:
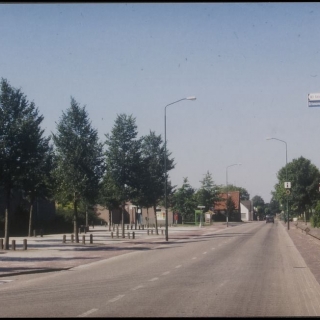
(13, 245)
(111, 234)
(91, 238)
(41, 233)
(128, 235)
(117, 233)
(83, 239)
(24, 244)
(133, 235)
(64, 239)
(79, 230)
(143, 227)
(151, 231)
(127, 227)
(139, 226)
(34, 233)
(131, 227)
(72, 238)
(161, 231)
(1, 244)
(148, 231)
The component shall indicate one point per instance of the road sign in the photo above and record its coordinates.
(287, 185)
(314, 100)
(288, 191)
(314, 97)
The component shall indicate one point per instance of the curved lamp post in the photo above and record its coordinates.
(236, 164)
(165, 158)
(286, 174)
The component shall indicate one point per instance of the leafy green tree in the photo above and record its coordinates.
(153, 175)
(79, 159)
(258, 205)
(123, 159)
(208, 193)
(244, 194)
(304, 178)
(21, 143)
(184, 201)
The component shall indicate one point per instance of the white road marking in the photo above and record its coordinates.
(137, 287)
(178, 266)
(212, 248)
(154, 279)
(165, 273)
(205, 252)
(116, 298)
(194, 258)
(88, 312)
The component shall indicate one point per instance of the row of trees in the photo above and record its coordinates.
(72, 166)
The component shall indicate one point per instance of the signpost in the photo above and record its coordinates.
(314, 100)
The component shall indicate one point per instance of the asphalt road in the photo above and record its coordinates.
(250, 270)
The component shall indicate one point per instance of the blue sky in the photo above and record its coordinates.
(250, 66)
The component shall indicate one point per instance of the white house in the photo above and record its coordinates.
(246, 209)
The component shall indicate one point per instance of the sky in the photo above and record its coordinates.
(250, 66)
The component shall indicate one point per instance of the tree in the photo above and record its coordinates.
(208, 193)
(21, 143)
(123, 159)
(184, 202)
(304, 178)
(258, 205)
(153, 175)
(79, 159)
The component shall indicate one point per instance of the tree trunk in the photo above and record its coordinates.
(7, 220)
(30, 219)
(87, 223)
(155, 218)
(109, 219)
(75, 219)
(147, 217)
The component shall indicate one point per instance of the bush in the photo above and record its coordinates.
(315, 220)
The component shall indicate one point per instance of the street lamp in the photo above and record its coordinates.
(236, 164)
(286, 174)
(165, 158)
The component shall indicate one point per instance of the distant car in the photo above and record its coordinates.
(269, 218)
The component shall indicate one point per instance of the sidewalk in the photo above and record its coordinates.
(49, 253)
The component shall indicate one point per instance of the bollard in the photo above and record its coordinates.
(143, 227)
(148, 231)
(13, 245)
(117, 233)
(41, 233)
(133, 234)
(151, 231)
(1, 244)
(131, 227)
(34, 233)
(79, 230)
(91, 238)
(127, 227)
(83, 239)
(72, 238)
(111, 234)
(139, 226)
(24, 244)
(64, 238)
(128, 235)
(161, 231)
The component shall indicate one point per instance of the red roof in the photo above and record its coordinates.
(235, 196)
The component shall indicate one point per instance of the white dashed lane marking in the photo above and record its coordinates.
(117, 298)
(137, 287)
(165, 273)
(88, 312)
(178, 266)
(153, 279)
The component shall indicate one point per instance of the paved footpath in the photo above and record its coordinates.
(49, 253)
